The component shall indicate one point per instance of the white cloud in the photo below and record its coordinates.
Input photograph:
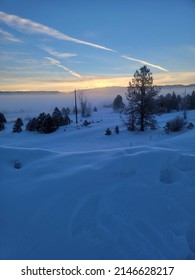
(58, 54)
(29, 26)
(144, 62)
(59, 64)
(9, 37)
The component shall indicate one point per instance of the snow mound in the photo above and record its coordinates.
(130, 203)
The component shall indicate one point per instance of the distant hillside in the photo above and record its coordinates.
(106, 91)
(29, 92)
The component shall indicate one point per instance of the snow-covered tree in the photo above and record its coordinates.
(141, 100)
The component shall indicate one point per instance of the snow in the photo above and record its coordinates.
(79, 194)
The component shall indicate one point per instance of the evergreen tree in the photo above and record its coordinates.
(2, 118)
(2, 126)
(65, 112)
(66, 120)
(49, 124)
(116, 130)
(141, 100)
(118, 104)
(2, 121)
(17, 127)
(32, 125)
(39, 121)
(57, 117)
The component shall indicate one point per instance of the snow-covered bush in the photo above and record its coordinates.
(174, 125)
(190, 125)
(108, 131)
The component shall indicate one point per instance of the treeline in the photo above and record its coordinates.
(163, 103)
(170, 102)
(44, 123)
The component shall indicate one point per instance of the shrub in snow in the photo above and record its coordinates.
(86, 123)
(190, 125)
(174, 125)
(108, 131)
(116, 130)
(17, 127)
(95, 109)
(17, 164)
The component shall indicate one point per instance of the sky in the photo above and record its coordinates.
(64, 45)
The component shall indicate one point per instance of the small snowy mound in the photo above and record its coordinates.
(133, 203)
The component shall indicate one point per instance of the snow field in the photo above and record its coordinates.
(79, 194)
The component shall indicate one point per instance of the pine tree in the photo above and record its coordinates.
(39, 121)
(116, 130)
(2, 118)
(32, 125)
(141, 100)
(118, 104)
(17, 127)
(2, 121)
(49, 124)
(57, 117)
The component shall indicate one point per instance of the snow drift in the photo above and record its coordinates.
(133, 203)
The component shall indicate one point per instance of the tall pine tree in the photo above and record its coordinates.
(141, 100)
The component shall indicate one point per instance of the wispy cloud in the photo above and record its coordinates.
(144, 62)
(9, 37)
(58, 54)
(29, 26)
(59, 64)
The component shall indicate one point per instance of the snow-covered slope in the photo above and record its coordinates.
(78, 194)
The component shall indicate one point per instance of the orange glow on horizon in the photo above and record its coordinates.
(96, 82)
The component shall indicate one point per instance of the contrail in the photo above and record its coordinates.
(59, 64)
(144, 62)
(58, 54)
(29, 26)
(8, 36)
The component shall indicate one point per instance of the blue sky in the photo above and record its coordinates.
(67, 44)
